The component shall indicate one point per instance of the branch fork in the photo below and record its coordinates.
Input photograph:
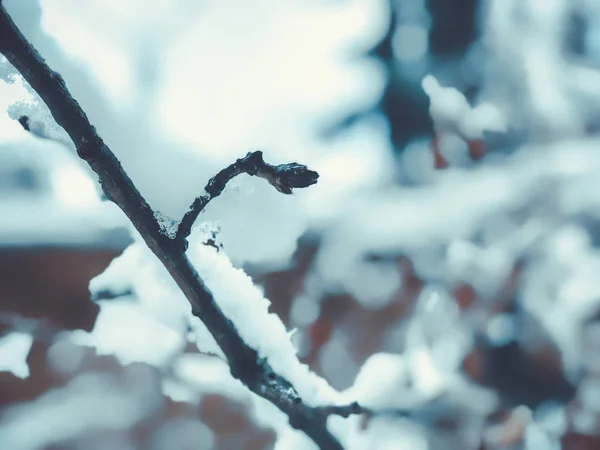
(244, 362)
(283, 177)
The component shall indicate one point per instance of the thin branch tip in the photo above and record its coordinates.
(293, 176)
(283, 177)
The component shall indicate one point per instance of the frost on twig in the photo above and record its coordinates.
(283, 177)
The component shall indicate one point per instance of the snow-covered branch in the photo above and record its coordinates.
(245, 363)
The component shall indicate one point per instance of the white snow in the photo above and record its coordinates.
(452, 113)
(14, 348)
(151, 327)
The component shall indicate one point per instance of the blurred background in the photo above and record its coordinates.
(449, 253)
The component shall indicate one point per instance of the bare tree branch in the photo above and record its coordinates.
(244, 362)
(283, 177)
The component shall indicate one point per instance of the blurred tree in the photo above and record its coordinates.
(453, 29)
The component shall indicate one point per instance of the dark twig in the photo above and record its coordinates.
(354, 409)
(38, 130)
(283, 177)
(343, 410)
(243, 360)
(107, 294)
(25, 122)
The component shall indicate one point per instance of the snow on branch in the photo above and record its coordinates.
(245, 362)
